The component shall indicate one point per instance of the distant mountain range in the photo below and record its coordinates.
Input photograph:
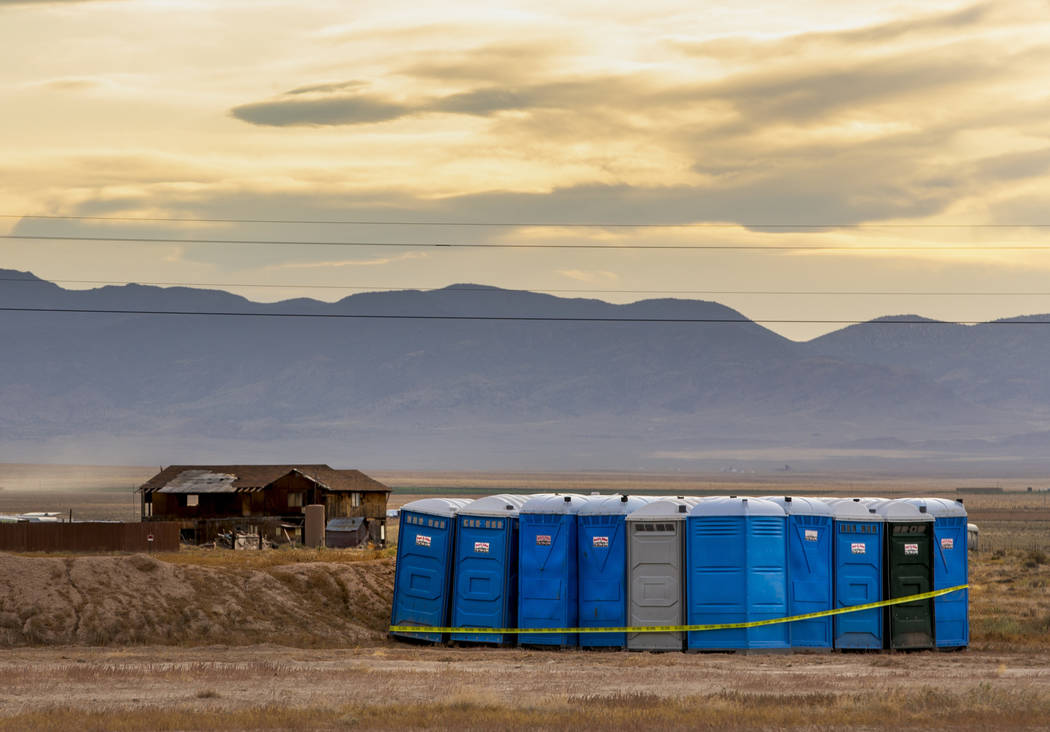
(493, 394)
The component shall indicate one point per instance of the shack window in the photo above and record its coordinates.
(295, 500)
(192, 499)
(355, 499)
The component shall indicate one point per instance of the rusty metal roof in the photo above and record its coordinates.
(251, 478)
(200, 481)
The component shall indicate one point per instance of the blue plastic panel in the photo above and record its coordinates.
(737, 572)
(810, 579)
(602, 560)
(422, 580)
(547, 581)
(950, 569)
(486, 580)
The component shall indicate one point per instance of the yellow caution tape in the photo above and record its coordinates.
(685, 628)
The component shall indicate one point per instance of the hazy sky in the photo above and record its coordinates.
(898, 123)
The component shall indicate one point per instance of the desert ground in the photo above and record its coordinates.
(295, 638)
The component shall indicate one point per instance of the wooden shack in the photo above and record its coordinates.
(210, 500)
(343, 533)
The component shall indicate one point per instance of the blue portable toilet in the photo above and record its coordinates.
(423, 573)
(737, 572)
(602, 559)
(951, 613)
(485, 593)
(810, 586)
(547, 568)
(858, 574)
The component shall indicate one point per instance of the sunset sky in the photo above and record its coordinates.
(880, 126)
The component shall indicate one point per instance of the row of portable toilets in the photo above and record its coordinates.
(571, 561)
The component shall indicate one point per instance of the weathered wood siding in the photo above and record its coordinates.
(90, 536)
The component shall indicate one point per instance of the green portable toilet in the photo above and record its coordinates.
(908, 564)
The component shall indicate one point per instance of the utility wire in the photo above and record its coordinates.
(695, 247)
(530, 224)
(521, 318)
(541, 290)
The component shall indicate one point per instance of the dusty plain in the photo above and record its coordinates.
(294, 639)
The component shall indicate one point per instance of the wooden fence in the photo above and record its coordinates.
(90, 536)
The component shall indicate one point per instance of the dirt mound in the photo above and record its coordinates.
(138, 599)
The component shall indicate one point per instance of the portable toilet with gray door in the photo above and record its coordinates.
(656, 572)
(908, 566)
(737, 573)
(602, 549)
(423, 573)
(547, 568)
(951, 613)
(858, 574)
(810, 585)
(485, 581)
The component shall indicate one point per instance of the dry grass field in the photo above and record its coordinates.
(396, 687)
(293, 639)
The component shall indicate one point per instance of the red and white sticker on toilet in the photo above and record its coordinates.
(601, 541)
(543, 539)
(947, 543)
(481, 547)
(911, 549)
(422, 540)
(858, 547)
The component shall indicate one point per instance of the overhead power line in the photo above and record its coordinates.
(532, 224)
(531, 245)
(541, 290)
(518, 318)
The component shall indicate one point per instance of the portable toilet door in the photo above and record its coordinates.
(423, 573)
(951, 613)
(858, 574)
(737, 572)
(909, 571)
(485, 591)
(547, 579)
(656, 572)
(602, 558)
(810, 586)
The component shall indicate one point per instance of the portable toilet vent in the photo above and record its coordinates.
(858, 574)
(951, 613)
(656, 572)
(423, 573)
(737, 560)
(908, 567)
(485, 584)
(547, 570)
(810, 586)
(602, 558)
